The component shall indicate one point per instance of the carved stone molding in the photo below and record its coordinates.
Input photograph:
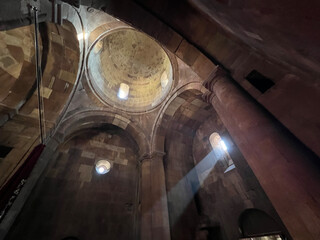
(208, 96)
(219, 72)
(150, 156)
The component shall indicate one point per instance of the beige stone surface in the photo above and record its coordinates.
(133, 58)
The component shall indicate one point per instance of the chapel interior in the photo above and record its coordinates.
(159, 120)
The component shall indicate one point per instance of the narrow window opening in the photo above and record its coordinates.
(123, 91)
(4, 151)
(259, 81)
(164, 79)
(220, 149)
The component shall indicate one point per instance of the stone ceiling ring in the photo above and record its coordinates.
(129, 70)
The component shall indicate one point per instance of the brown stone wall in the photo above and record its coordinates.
(71, 199)
(225, 195)
(22, 134)
(60, 67)
(19, 127)
(181, 119)
(183, 215)
(185, 31)
(275, 156)
(17, 69)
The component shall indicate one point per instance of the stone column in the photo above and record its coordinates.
(287, 171)
(154, 206)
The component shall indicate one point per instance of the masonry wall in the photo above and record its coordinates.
(291, 100)
(225, 195)
(180, 121)
(71, 199)
(180, 178)
(19, 125)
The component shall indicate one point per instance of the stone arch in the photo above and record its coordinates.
(75, 160)
(174, 131)
(90, 119)
(158, 130)
(19, 127)
(97, 34)
(59, 72)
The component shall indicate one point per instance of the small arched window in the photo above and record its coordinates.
(220, 149)
(123, 91)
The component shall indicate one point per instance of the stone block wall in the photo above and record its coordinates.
(225, 195)
(19, 127)
(17, 69)
(71, 199)
(190, 33)
(183, 215)
(180, 121)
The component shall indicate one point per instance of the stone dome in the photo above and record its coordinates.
(129, 70)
